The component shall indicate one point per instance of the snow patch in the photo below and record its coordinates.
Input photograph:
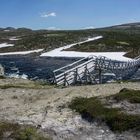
(6, 30)
(14, 38)
(22, 53)
(89, 27)
(59, 52)
(3, 45)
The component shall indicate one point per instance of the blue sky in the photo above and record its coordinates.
(67, 14)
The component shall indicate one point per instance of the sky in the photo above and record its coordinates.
(68, 14)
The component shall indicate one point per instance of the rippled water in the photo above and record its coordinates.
(35, 67)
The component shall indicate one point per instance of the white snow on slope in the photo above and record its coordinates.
(60, 53)
(6, 30)
(3, 45)
(21, 53)
(14, 38)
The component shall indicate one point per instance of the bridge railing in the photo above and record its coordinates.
(84, 68)
(69, 66)
(138, 57)
(76, 73)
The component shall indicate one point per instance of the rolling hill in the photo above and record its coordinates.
(125, 37)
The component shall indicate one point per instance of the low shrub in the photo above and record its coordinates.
(132, 96)
(92, 109)
(19, 132)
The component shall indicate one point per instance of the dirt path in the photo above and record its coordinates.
(47, 108)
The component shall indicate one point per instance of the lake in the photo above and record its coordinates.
(34, 67)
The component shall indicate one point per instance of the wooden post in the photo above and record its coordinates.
(54, 79)
(75, 76)
(100, 76)
(65, 80)
(86, 74)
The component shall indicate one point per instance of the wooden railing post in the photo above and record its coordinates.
(86, 77)
(100, 76)
(54, 79)
(75, 75)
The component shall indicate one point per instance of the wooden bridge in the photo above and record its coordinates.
(91, 69)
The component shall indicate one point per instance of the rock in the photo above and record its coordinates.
(1, 70)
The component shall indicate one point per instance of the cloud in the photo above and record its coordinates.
(46, 15)
(89, 27)
(53, 28)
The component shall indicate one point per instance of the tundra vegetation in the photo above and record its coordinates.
(117, 38)
(94, 109)
(15, 131)
(31, 85)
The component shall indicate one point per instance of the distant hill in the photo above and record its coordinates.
(24, 29)
(121, 26)
(129, 28)
(125, 37)
(129, 25)
(11, 29)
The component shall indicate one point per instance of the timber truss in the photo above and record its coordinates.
(90, 70)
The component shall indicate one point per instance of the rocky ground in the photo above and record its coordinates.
(47, 109)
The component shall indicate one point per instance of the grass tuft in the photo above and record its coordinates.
(35, 85)
(19, 132)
